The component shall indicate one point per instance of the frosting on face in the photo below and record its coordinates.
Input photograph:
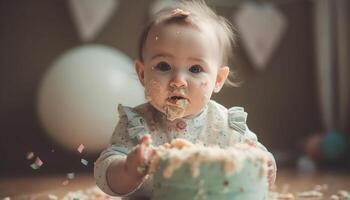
(175, 110)
(174, 106)
(155, 92)
(180, 69)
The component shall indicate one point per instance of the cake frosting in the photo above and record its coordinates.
(175, 109)
(183, 170)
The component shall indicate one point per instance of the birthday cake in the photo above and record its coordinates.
(186, 171)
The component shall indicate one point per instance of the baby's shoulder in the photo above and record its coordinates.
(137, 116)
(235, 111)
(135, 119)
(235, 116)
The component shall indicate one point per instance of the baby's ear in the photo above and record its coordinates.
(221, 78)
(139, 67)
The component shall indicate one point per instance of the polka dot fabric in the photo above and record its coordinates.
(215, 125)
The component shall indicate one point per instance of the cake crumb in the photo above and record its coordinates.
(181, 152)
(310, 194)
(335, 197)
(287, 196)
(175, 110)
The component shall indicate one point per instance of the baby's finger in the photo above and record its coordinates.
(149, 152)
(142, 152)
(270, 185)
(137, 154)
(270, 170)
(272, 175)
(146, 139)
(146, 153)
(269, 163)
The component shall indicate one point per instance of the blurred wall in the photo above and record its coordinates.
(281, 101)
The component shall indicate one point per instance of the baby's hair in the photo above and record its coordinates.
(195, 13)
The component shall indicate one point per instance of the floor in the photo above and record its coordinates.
(41, 186)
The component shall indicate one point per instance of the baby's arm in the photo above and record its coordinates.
(116, 169)
(128, 169)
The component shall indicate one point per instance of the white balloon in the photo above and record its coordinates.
(78, 97)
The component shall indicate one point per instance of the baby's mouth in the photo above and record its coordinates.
(175, 107)
(176, 99)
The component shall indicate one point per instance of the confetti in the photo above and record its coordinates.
(34, 166)
(80, 148)
(84, 162)
(70, 176)
(30, 155)
(38, 162)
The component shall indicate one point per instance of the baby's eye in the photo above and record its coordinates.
(196, 69)
(163, 66)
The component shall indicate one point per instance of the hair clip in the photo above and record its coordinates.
(179, 13)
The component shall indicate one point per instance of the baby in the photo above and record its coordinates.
(183, 58)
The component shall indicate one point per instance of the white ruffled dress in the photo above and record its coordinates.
(215, 125)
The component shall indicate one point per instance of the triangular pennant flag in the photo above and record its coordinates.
(91, 15)
(261, 27)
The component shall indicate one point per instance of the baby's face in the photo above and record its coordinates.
(181, 69)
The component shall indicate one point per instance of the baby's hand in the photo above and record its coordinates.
(271, 173)
(139, 158)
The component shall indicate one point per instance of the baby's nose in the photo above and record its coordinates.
(178, 81)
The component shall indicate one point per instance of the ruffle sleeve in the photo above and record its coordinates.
(136, 126)
(237, 119)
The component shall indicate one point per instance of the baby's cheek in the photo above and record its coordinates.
(150, 88)
(204, 83)
(199, 83)
(207, 89)
(154, 91)
(202, 90)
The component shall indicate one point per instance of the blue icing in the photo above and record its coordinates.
(211, 183)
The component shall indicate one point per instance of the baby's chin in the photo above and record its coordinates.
(173, 110)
